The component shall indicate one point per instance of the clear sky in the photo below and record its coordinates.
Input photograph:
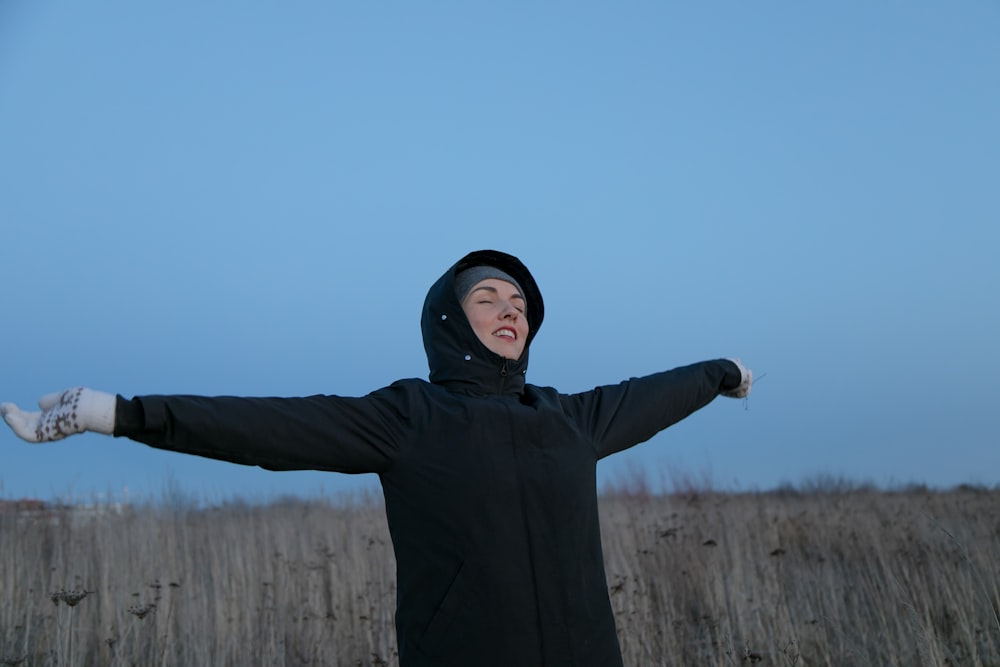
(253, 198)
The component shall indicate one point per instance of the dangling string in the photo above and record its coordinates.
(746, 399)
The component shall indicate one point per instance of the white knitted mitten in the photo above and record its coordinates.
(63, 413)
(745, 383)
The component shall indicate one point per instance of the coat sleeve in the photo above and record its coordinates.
(617, 417)
(341, 434)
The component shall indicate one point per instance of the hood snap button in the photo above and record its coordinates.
(444, 317)
(468, 357)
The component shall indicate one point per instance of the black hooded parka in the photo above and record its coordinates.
(489, 482)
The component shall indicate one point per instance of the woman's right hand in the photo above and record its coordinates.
(63, 413)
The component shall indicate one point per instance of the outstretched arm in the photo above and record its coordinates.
(354, 435)
(336, 433)
(620, 416)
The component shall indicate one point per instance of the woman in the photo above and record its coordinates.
(489, 482)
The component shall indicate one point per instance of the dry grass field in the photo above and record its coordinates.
(834, 576)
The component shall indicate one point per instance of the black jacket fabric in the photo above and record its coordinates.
(489, 482)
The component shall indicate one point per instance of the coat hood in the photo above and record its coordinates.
(455, 355)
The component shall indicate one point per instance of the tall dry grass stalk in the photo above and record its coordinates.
(820, 578)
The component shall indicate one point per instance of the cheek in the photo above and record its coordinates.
(481, 326)
(474, 317)
(479, 322)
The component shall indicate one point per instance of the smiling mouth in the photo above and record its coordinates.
(505, 333)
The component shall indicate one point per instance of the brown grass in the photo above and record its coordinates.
(826, 577)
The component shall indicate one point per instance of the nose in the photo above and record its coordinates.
(509, 312)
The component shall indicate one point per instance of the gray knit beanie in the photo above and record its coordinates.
(467, 279)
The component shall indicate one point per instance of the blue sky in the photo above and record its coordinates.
(252, 199)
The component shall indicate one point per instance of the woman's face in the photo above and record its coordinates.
(495, 309)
